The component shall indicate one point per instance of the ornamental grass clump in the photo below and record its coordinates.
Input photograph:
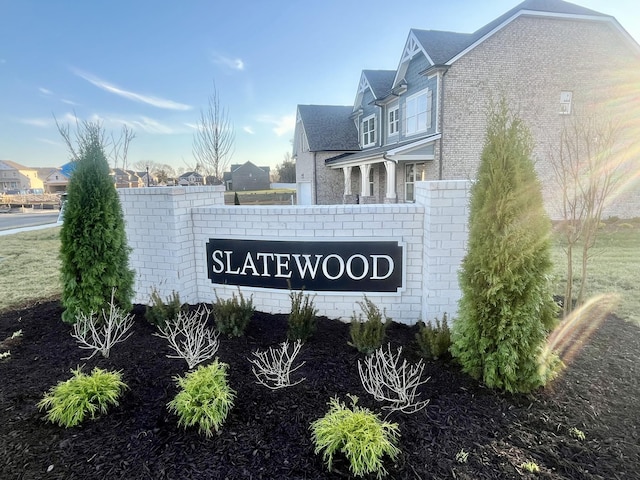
(302, 319)
(160, 311)
(205, 398)
(72, 401)
(434, 340)
(233, 315)
(357, 433)
(368, 334)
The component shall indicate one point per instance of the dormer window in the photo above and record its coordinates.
(418, 112)
(369, 131)
(394, 121)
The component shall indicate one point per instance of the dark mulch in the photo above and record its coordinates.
(267, 433)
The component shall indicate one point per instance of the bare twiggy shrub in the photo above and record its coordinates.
(388, 380)
(272, 367)
(189, 336)
(101, 332)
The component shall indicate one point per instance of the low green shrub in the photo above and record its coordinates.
(368, 334)
(160, 310)
(204, 399)
(71, 401)
(357, 433)
(434, 340)
(233, 315)
(302, 319)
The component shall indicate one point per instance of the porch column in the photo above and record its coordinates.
(364, 180)
(390, 167)
(347, 180)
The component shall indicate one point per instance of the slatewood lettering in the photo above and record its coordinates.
(314, 266)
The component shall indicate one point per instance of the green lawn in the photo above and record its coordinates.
(29, 267)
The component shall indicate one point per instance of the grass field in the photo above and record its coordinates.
(29, 267)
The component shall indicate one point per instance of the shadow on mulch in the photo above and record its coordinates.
(267, 432)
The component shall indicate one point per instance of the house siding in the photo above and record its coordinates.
(530, 62)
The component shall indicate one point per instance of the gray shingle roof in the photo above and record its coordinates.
(329, 128)
(443, 46)
(380, 81)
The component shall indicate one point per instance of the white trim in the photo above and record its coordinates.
(411, 48)
(427, 112)
(395, 108)
(371, 133)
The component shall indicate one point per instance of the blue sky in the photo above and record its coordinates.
(151, 65)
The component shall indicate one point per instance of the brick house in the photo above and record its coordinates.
(426, 120)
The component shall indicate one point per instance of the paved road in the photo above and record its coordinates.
(10, 221)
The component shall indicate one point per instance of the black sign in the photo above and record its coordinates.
(312, 266)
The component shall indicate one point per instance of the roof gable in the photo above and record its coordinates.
(328, 127)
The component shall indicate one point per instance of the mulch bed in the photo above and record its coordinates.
(267, 432)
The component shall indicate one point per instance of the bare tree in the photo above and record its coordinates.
(118, 147)
(213, 142)
(286, 171)
(587, 166)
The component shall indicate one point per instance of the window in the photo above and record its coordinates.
(369, 131)
(371, 182)
(413, 172)
(418, 112)
(565, 103)
(394, 121)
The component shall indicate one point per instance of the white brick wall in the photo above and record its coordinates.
(168, 228)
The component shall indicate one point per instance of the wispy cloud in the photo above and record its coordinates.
(45, 91)
(49, 142)
(248, 129)
(136, 97)
(283, 125)
(37, 122)
(69, 102)
(228, 62)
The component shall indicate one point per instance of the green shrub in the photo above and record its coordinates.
(93, 245)
(434, 341)
(507, 308)
(357, 433)
(71, 401)
(233, 315)
(368, 334)
(205, 398)
(302, 319)
(160, 310)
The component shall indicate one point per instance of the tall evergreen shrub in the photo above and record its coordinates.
(506, 310)
(94, 251)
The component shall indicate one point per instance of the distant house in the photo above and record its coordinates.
(190, 179)
(126, 178)
(57, 180)
(18, 178)
(247, 177)
(426, 120)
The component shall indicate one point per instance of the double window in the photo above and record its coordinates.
(413, 172)
(418, 112)
(394, 120)
(369, 131)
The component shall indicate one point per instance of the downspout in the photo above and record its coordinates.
(315, 180)
(440, 166)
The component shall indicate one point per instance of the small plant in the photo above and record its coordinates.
(189, 336)
(462, 456)
(160, 311)
(273, 367)
(577, 433)
(4, 355)
(357, 433)
(205, 398)
(71, 401)
(531, 467)
(367, 335)
(434, 341)
(99, 334)
(16, 334)
(302, 319)
(389, 381)
(233, 315)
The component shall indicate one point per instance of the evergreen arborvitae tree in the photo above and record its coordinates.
(506, 310)
(94, 251)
